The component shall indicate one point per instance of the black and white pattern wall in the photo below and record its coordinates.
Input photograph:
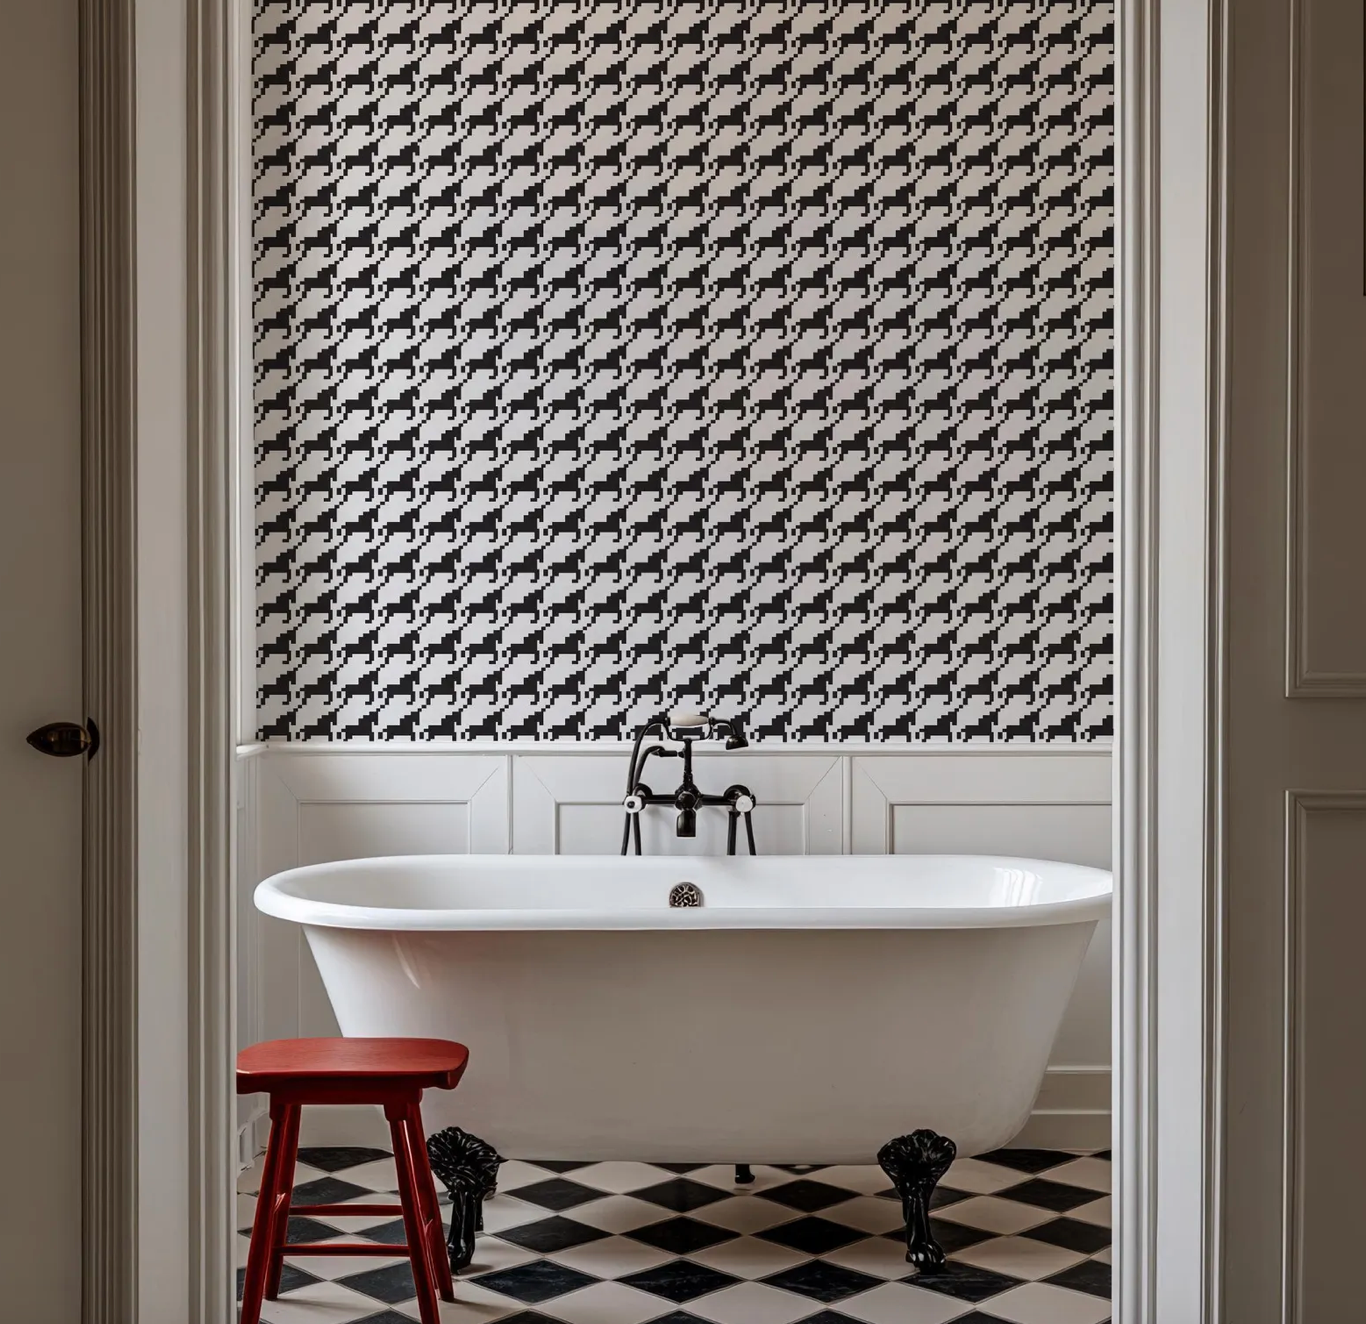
(612, 355)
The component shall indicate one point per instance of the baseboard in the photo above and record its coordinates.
(1072, 1112)
(1065, 1130)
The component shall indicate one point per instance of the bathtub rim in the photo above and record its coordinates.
(271, 898)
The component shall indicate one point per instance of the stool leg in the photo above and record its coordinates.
(428, 1310)
(430, 1207)
(279, 1233)
(263, 1225)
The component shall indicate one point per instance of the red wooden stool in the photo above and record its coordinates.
(392, 1072)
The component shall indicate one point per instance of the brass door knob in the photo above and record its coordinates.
(64, 740)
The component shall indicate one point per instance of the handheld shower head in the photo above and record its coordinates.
(735, 737)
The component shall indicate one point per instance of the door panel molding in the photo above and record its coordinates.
(109, 1149)
(1305, 679)
(1301, 808)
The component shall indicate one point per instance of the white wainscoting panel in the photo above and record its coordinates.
(925, 792)
(570, 804)
(1011, 829)
(306, 804)
(336, 831)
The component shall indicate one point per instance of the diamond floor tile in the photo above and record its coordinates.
(605, 1303)
(1026, 1160)
(612, 1257)
(967, 1282)
(806, 1195)
(1072, 1234)
(1044, 1193)
(1020, 1257)
(822, 1281)
(337, 1157)
(682, 1236)
(556, 1193)
(1044, 1303)
(813, 1235)
(539, 1280)
(1088, 1276)
(752, 1303)
(552, 1234)
(680, 1280)
(681, 1194)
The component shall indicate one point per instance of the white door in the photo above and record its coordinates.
(40, 665)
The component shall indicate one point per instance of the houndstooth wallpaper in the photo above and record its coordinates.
(611, 355)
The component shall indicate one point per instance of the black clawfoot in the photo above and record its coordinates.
(915, 1163)
(744, 1174)
(468, 1168)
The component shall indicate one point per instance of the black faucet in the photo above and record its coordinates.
(685, 729)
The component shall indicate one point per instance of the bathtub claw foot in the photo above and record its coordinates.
(468, 1168)
(744, 1174)
(915, 1163)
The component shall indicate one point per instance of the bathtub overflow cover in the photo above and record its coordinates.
(685, 894)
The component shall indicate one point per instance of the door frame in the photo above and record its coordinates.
(109, 1047)
(1169, 947)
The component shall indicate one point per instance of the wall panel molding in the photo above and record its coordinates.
(550, 788)
(1076, 778)
(472, 786)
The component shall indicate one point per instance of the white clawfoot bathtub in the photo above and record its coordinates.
(813, 1008)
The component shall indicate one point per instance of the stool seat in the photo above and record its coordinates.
(390, 1072)
(412, 1063)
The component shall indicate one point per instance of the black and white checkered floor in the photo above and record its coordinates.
(1027, 1231)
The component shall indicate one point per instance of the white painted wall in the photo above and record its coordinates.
(306, 804)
